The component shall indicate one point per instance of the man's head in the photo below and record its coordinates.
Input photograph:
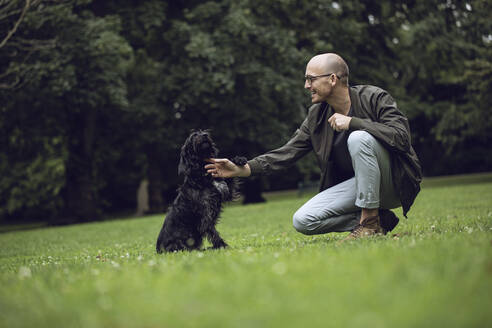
(325, 73)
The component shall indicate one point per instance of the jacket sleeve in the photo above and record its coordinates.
(391, 127)
(283, 157)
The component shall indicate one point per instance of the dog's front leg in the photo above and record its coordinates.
(175, 246)
(233, 188)
(214, 237)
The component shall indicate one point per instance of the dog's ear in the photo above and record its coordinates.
(183, 164)
(188, 161)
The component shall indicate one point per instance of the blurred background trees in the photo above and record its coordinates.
(97, 96)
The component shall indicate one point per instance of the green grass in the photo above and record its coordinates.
(436, 273)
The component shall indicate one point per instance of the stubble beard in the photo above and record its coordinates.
(316, 98)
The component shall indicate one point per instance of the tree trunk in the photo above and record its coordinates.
(80, 200)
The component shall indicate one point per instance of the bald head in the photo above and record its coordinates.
(331, 63)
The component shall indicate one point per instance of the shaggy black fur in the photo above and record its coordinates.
(195, 211)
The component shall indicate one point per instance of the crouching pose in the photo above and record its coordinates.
(363, 146)
(195, 211)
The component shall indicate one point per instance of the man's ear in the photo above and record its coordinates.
(333, 80)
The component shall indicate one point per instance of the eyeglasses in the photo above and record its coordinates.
(311, 78)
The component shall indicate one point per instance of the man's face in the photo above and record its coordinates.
(321, 88)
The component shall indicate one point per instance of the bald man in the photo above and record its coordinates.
(363, 146)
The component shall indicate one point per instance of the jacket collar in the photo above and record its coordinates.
(354, 100)
(325, 111)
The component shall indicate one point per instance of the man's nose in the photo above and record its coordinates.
(307, 84)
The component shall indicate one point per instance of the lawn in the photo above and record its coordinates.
(435, 272)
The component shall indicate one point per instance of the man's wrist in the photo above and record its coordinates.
(244, 171)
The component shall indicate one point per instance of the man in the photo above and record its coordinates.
(363, 146)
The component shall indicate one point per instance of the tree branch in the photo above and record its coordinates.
(14, 29)
(6, 10)
(32, 45)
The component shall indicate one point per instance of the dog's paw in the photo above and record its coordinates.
(239, 160)
(220, 244)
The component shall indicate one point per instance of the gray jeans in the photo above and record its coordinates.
(338, 208)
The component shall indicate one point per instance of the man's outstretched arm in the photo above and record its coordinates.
(224, 168)
(275, 160)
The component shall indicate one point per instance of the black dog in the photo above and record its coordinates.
(195, 211)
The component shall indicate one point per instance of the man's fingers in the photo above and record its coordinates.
(216, 160)
(332, 121)
(338, 122)
(219, 160)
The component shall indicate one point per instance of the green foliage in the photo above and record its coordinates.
(34, 183)
(220, 48)
(479, 76)
(437, 43)
(436, 272)
(83, 67)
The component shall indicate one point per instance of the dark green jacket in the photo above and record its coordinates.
(374, 111)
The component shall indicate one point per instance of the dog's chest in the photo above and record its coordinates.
(206, 200)
(213, 195)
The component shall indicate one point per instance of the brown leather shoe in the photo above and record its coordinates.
(369, 227)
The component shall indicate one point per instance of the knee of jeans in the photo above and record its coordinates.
(301, 223)
(360, 140)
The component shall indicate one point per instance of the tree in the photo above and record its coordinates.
(439, 43)
(91, 105)
(240, 67)
(75, 85)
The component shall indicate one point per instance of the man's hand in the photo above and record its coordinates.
(224, 168)
(339, 122)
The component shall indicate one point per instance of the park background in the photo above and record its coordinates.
(98, 96)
